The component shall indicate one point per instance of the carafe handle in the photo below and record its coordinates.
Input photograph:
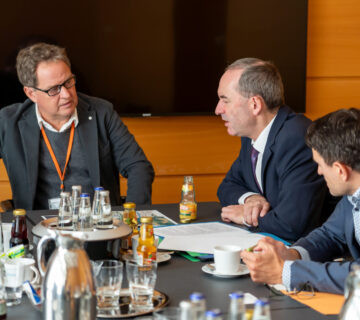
(41, 252)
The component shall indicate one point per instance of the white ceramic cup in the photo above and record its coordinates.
(17, 271)
(227, 259)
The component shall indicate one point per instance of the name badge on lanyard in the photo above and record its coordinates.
(54, 203)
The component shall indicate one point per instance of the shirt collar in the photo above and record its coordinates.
(355, 198)
(48, 126)
(260, 143)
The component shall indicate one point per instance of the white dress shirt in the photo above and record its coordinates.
(48, 126)
(259, 144)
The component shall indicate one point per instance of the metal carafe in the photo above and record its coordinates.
(68, 289)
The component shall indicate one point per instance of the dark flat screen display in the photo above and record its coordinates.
(162, 57)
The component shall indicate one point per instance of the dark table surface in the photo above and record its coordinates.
(179, 277)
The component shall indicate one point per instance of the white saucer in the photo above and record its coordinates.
(160, 257)
(210, 269)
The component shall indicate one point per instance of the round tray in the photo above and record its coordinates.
(160, 300)
(119, 230)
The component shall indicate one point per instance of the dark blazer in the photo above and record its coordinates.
(333, 239)
(108, 147)
(289, 177)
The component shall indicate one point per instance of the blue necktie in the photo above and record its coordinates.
(254, 157)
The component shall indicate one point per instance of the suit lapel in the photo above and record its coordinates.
(87, 131)
(281, 116)
(30, 138)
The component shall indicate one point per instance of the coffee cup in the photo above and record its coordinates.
(17, 271)
(227, 259)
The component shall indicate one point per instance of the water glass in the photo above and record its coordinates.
(108, 283)
(141, 280)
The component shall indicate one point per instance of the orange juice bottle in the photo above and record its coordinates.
(146, 250)
(130, 218)
(188, 206)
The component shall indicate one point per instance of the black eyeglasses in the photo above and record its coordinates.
(53, 91)
(306, 291)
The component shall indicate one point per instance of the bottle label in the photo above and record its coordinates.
(187, 187)
(188, 210)
(143, 261)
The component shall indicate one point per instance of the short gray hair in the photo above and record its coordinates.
(29, 58)
(260, 78)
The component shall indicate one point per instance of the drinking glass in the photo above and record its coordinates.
(108, 284)
(141, 280)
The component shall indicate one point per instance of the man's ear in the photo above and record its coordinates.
(256, 105)
(31, 94)
(343, 170)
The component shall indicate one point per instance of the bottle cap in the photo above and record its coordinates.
(19, 212)
(99, 188)
(129, 205)
(78, 187)
(262, 302)
(236, 295)
(197, 296)
(64, 194)
(146, 220)
(213, 313)
(185, 305)
(84, 195)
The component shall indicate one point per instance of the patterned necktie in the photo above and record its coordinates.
(254, 157)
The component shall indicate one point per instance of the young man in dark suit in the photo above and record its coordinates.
(335, 143)
(273, 184)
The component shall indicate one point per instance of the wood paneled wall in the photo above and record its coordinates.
(200, 145)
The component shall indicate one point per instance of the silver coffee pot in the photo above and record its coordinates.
(68, 289)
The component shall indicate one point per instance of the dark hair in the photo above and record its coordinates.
(260, 78)
(336, 137)
(29, 58)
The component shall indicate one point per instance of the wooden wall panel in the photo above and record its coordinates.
(167, 189)
(200, 145)
(333, 38)
(329, 94)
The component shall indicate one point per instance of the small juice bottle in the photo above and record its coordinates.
(146, 250)
(188, 206)
(130, 218)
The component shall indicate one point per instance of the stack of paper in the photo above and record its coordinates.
(203, 237)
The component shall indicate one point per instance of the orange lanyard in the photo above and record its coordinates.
(52, 154)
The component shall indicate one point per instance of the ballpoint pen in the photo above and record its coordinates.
(251, 249)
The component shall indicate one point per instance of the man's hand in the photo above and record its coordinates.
(233, 213)
(255, 206)
(266, 262)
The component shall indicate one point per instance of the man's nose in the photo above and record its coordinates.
(219, 108)
(64, 93)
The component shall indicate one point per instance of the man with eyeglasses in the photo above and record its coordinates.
(58, 137)
(335, 143)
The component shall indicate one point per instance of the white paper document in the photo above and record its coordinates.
(203, 237)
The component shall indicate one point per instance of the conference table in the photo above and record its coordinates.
(179, 277)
